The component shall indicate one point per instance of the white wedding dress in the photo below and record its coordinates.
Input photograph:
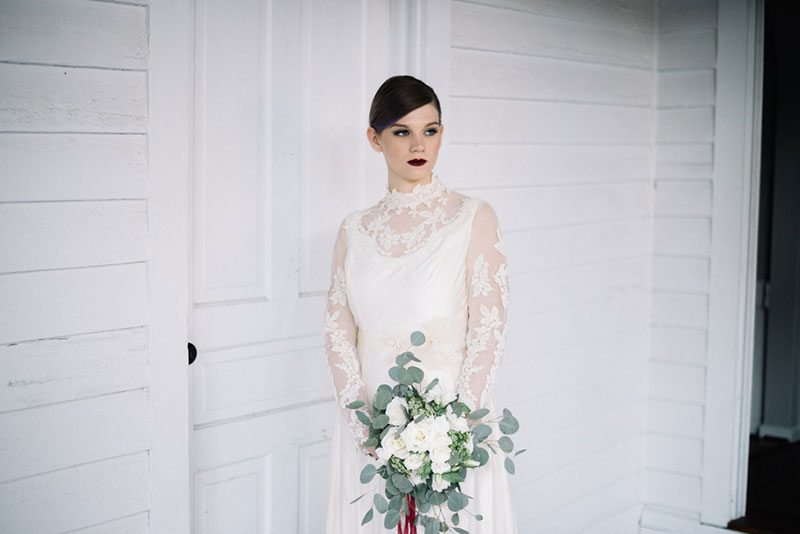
(429, 260)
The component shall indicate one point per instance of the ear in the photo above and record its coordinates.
(374, 139)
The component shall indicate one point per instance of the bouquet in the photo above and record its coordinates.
(426, 439)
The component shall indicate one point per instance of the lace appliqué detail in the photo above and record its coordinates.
(338, 289)
(480, 278)
(501, 279)
(348, 362)
(401, 223)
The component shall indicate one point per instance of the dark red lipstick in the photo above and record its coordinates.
(417, 162)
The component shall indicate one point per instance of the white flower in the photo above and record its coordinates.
(440, 467)
(395, 411)
(416, 479)
(459, 424)
(439, 395)
(439, 483)
(441, 453)
(392, 444)
(418, 437)
(414, 461)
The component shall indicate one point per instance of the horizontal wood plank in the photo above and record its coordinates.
(62, 435)
(77, 167)
(49, 304)
(81, 33)
(56, 501)
(44, 235)
(489, 28)
(72, 367)
(477, 121)
(476, 73)
(66, 99)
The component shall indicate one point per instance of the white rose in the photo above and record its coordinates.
(441, 426)
(439, 483)
(414, 461)
(440, 467)
(459, 424)
(395, 411)
(418, 437)
(416, 479)
(392, 444)
(441, 454)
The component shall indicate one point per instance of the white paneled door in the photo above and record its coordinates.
(282, 91)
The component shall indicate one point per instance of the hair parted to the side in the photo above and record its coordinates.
(398, 96)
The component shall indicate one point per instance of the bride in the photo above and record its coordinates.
(427, 258)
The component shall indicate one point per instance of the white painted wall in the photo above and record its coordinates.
(685, 99)
(551, 121)
(75, 401)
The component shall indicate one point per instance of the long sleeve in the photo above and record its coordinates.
(487, 285)
(340, 341)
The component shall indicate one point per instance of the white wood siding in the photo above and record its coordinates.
(74, 350)
(685, 96)
(551, 120)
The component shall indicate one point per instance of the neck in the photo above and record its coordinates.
(405, 186)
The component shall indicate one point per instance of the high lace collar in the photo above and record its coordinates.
(419, 194)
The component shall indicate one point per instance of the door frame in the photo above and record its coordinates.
(170, 97)
(734, 241)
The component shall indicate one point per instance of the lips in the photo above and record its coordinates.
(417, 162)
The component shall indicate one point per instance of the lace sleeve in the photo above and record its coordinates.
(487, 281)
(340, 342)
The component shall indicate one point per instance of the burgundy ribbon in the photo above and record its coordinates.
(411, 519)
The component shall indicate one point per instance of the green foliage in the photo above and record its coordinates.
(367, 517)
(505, 444)
(510, 465)
(356, 404)
(368, 473)
(417, 338)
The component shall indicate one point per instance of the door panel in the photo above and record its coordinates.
(282, 91)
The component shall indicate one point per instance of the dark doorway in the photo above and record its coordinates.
(773, 488)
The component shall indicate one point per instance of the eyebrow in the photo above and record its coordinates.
(404, 126)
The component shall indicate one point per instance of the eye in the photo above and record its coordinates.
(431, 131)
(400, 133)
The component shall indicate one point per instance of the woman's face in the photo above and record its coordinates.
(414, 137)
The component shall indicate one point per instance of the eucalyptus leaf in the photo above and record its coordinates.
(431, 385)
(417, 374)
(477, 414)
(364, 418)
(357, 498)
(402, 483)
(382, 397)
(432, 527)
(481, 455)
(403, 358)
(510, 465)
(456, 501)
(381, 504)
(380, 421)
(508, 424)
(356, 404)
(506, 444)
(368, 473)
(391, 519)
(519, 452)
(455, 519)
(417, 338)
(478, 517)
(437, 498)
(367, 517)
(481, 432)
(396, 373)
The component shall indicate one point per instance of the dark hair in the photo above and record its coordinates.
(398, 96)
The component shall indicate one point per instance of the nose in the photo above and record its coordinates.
(417, 144)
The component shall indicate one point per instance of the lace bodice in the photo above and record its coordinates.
(394, 229)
